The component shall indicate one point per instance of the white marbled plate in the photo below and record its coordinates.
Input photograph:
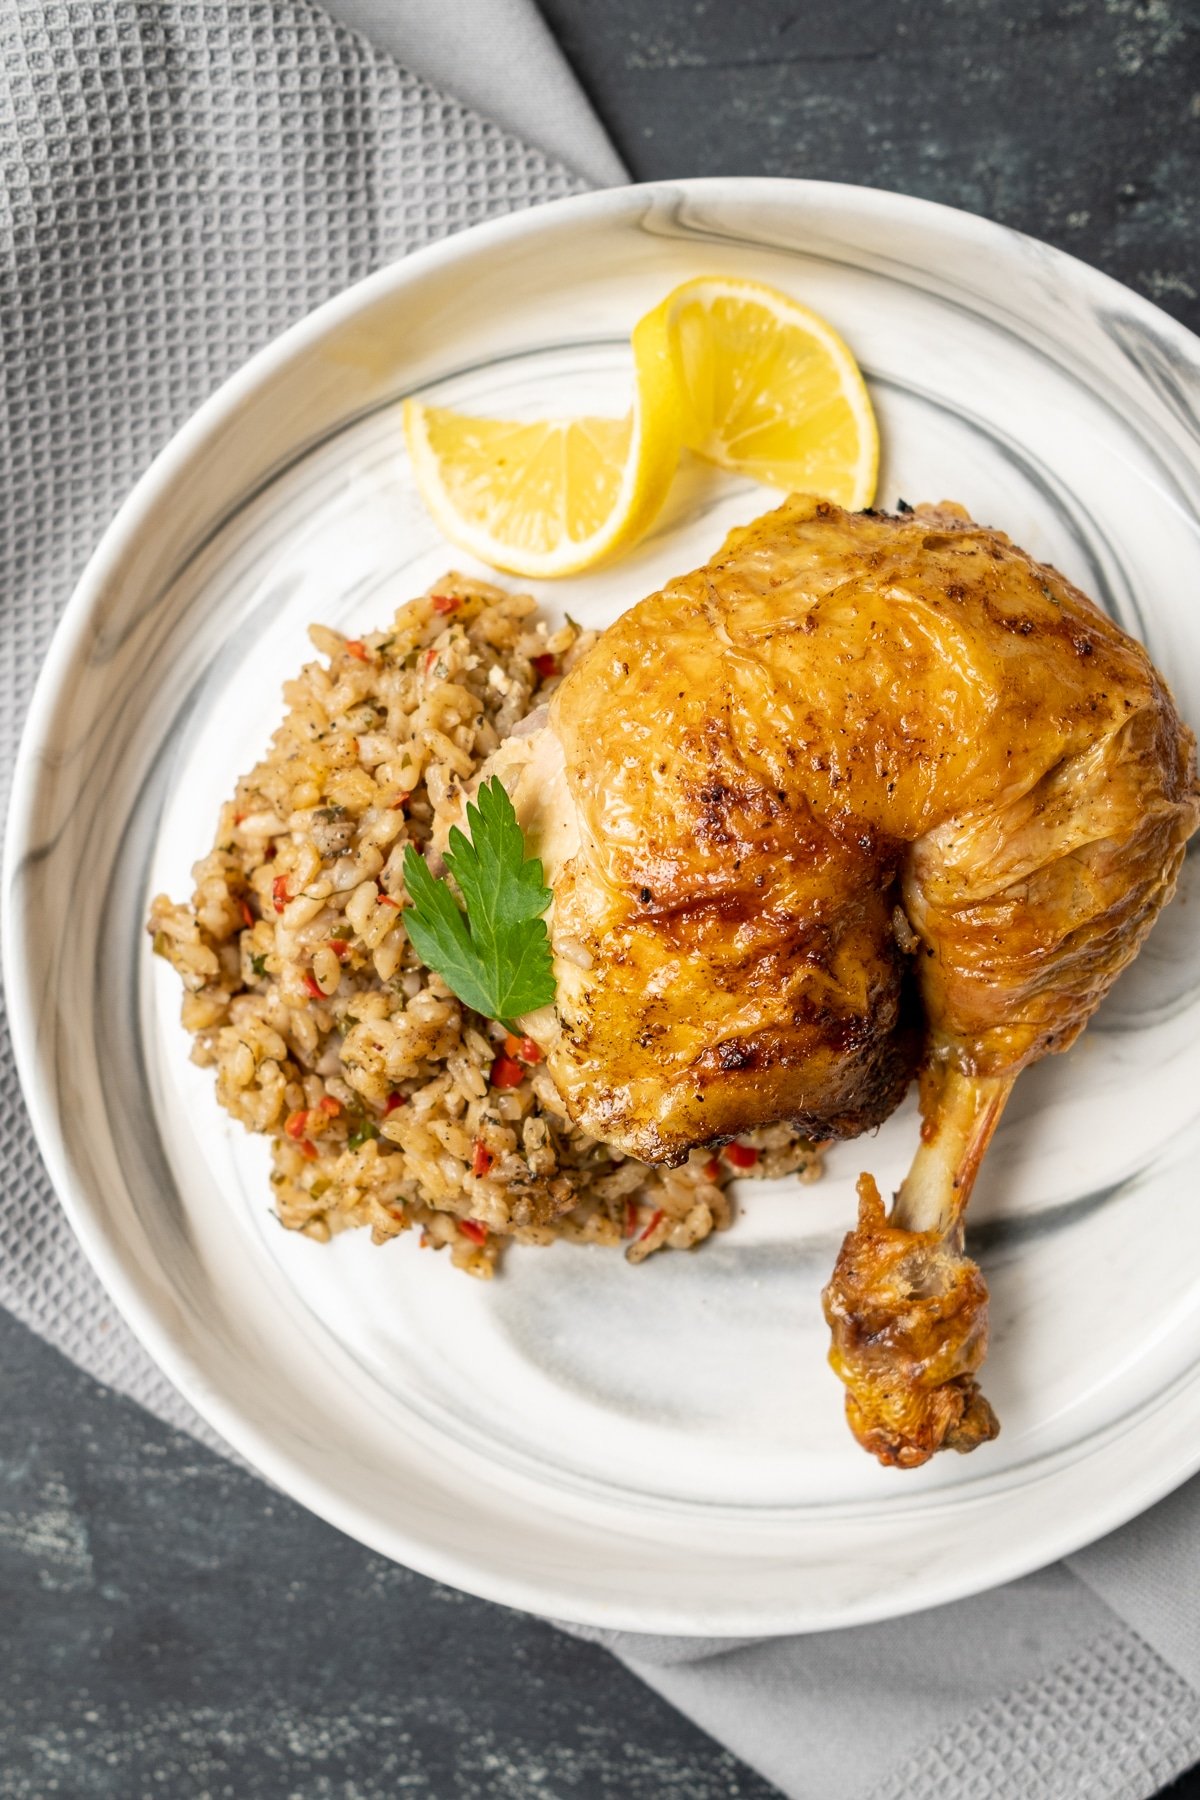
(659, 1448)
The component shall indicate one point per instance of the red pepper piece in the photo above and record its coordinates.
(655, 1222)
(392, 1102)
(712, 1169)
(522, 1047)
(546, 666)
(296, 1124)
(310, 982)
(356, 648)
(280, 893)
(340, 947)
(446, 603)
(631, 1217)
(247, 915)
(742, 1156)
(506, 1073)
(327, 1104)
(482, 1159)
(386, 900)
(476, 1233)
(308, 1149)
(401, 804)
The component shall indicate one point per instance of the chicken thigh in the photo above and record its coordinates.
(864, 797)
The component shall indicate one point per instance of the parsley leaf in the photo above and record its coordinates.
(496, 956)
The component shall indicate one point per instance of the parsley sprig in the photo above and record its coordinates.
(496, 955)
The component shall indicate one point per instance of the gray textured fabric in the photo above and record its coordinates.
(813, 1687)
(1034, 1691)
(1113, 1722)
(177, 182)
(514, 72)
(1149, 1573)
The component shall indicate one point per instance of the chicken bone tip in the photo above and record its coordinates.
(907, 1312)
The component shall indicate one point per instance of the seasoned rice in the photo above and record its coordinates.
(325, 1032)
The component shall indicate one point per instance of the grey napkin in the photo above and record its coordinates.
(178, 181)
(499, 57)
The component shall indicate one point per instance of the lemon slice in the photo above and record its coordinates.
(737, 371)
(769, 389)
(557, 495)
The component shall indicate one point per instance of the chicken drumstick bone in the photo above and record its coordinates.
(906, 1308)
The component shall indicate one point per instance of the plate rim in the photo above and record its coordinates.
(137, 1307)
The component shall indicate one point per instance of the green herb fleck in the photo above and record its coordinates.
(496, 956)
(259, 965)
(362, 1131)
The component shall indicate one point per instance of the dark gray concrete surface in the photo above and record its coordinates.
(168, 1627)
(171, 1629)
(1075, 120)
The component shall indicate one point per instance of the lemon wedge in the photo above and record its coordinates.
(769, 389)
(736, 371)
(553, 496)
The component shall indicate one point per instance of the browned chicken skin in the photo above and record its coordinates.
(861, 796)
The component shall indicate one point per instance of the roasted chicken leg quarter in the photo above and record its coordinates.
(864, 797)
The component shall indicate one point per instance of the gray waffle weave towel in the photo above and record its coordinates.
(178, 182)
(179, 179)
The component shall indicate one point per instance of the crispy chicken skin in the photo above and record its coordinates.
(863, 795)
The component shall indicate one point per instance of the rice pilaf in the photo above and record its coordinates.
(387, 1102)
